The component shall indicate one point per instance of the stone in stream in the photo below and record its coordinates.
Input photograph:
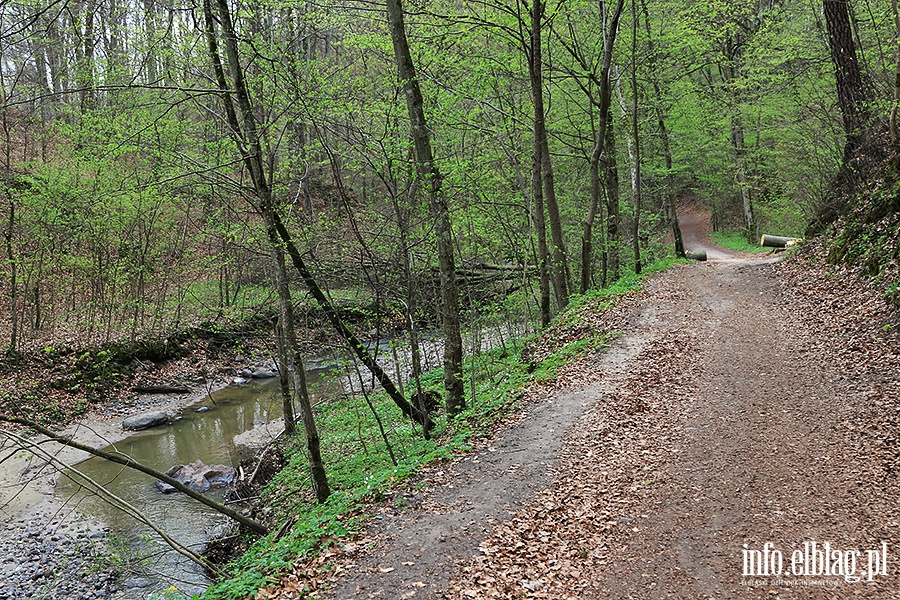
(262, 373)
(145, 420)
(198, 477)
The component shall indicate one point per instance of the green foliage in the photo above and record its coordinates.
(734, 240)
(892, 294)
(360, 469)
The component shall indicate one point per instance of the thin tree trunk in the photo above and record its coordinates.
(411, 297)
(729, 74)
(247, 135)
(358, 347)
(895, 132)
(664, 137)
(637, 142)
(740, 176)
(540, 226)
(430, 178)
(587, 244)
(88, 92)
(559, 262)
(13, 282)
(150, 58)
(671, 204)
(610, 166)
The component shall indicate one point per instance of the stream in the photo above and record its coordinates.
(205, 431)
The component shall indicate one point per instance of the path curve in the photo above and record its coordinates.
(696, 226)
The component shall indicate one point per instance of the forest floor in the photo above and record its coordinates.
(748, 404)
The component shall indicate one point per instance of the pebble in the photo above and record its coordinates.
(40, 559)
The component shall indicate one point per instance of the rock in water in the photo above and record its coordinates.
(198, 477)
(262, 373)
(145, 420)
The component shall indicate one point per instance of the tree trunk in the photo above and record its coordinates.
(540, 226)
(775, 241)
(671, 204)
(559, 265)
(729, 74)
(587, 245)
(356, 346)
(88, 83)
(430, 179)
(848, 77)
(895, 132)
(636, 244)
(613, 218)
(13, 283)
(740, 176)
(412, 295)
(696, 255)
(671, 208)
(587, 229)
(246, 133)
(150, 59)
(285, 348)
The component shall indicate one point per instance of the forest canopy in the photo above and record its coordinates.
(128, 203)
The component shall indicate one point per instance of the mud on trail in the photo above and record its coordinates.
(740, 406)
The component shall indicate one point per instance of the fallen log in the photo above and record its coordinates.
(777, 241)
(160, 389)
(696, 255)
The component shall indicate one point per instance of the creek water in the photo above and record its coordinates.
(204, 431)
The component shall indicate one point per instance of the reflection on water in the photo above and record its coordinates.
(196, 435)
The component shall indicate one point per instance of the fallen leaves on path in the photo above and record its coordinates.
(609, 462)
(615, 469)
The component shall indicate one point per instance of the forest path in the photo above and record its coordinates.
(696, 225)
(722, 416)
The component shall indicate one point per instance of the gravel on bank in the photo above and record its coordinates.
(50, 552)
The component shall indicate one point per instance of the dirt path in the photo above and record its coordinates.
(727, 416)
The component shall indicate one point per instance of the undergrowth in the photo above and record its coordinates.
(357, 460)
